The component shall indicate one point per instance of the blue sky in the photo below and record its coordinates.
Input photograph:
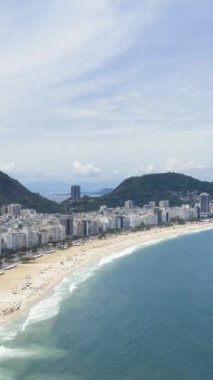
(100, 90)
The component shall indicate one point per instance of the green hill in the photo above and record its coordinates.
(11, 191)
(177, 188)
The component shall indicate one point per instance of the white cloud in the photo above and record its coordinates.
(85, 169)
(174, 164)
(79, 75)
(7, 167)
(62, 43)
(52, 52)
(150, 169)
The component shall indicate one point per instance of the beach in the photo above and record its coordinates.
(26, 284)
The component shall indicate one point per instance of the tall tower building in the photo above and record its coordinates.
(14, 209)
(164, 204)
(129, 204)
(158, 212)
(75, 192)
(67, 222)
(204, 204)
(152, 204)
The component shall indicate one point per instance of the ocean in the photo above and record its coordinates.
(143, 316)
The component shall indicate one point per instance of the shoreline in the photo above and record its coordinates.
(27, 284)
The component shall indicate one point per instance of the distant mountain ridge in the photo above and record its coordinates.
(11, 191)
(104, 191)
(59, 187)
(177, 188)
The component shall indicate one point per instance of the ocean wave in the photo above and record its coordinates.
(26, 353)
(50, 307)
(82, 276)
(209, 228)
(11, 353)
(72, 288)
(118, 255)
(9, 333)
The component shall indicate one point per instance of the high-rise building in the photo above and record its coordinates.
(75, 192)
(67, 222)
(129, 204)
(120, 222)
(86, 227)
(158, 212)
(152, 204)
(14, 209)
(164, 204)
(78, 228)
(1, 244)
(204, 204)
(4, 210)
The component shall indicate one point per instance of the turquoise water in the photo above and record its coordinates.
(146, 316)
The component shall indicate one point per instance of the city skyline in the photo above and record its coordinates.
(100, 90)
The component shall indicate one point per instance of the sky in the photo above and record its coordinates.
(100, 90)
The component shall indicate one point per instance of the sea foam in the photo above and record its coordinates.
(11, 353)
(50, 307)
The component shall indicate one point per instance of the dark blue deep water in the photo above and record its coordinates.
(146, 316)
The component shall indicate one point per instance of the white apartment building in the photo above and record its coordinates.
(185, 213)
(112, 223)
(150, 219)
(31, 237)
(15, 240)
(43, 237)
(95, 227)
(57, 232)
(135, 220)
(104, 223)
(78, 228)
(14, 209)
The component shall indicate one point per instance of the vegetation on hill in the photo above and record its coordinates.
(103, 191)
(177, 188)
(11, 191)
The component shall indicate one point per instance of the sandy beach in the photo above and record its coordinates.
(28, 283)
